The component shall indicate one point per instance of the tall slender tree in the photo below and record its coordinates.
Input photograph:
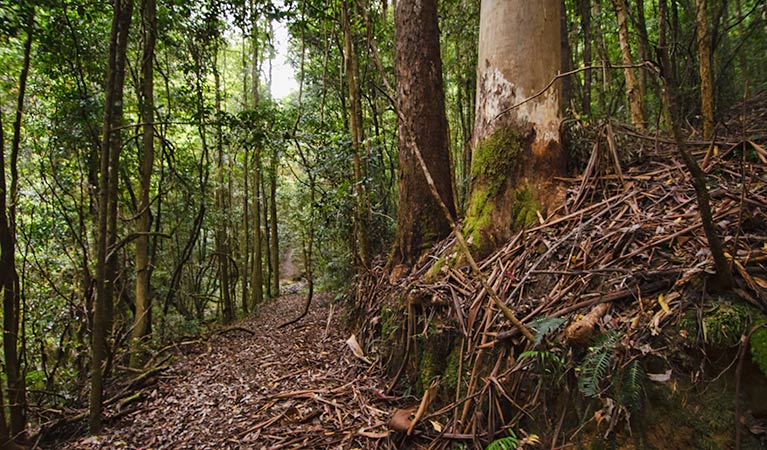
(111, 146)
(633, 89)
(703, 35)
(143, 312)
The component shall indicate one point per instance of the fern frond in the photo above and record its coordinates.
(510, 442)
(545, 326)
(597, 364)
(632, 382)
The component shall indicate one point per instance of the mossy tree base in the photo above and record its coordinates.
(512, 182)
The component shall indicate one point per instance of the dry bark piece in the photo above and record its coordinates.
(402, 419)
(581, 332)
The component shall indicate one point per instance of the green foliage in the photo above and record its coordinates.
(758, 346)
(722, 323)
(545, 326)
(628, 391)
(549, 362)
(596, 365)
(510, 442)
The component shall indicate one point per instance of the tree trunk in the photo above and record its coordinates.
(355, 125)
(566, 56)
(111, 145)
(633, 90)
(704, 64)
(585, 6)
(517, 151)
(222, 229)
(9, 277)
(723, 279)
(643, 46)
(267, 248)
(143, 222)
(275, 253)
(420, 220)
(257, 269)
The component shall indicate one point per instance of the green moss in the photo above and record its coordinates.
(433, 273)
(492, 162)
(524, 206)
(426, 371)
(451, 370)
(723, 323)
(759, 348)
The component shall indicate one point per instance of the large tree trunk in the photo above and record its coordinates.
(517, 151)
(704, 61)
(420, 220)
(143, 223)
(633, 90)
(108, 182)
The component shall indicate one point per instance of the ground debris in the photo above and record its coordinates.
(277, 388)
(626, 236)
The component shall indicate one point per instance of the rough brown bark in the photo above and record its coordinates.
(516, 144)
(143, 222)
(633, 90)
(704, 65)
(420, 221)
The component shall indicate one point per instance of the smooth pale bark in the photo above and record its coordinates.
(143, 222)
(420, 220)
(633, 90)
(704, 65)
(107, 224)
(517, 149)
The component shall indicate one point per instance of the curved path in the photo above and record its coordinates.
(296, 387)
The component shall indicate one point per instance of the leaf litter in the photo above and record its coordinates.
(302, 386)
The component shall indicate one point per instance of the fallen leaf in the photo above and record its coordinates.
(663, 304)
(356, 349)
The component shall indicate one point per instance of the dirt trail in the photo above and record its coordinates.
(296, 387)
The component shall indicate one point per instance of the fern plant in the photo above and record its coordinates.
(597, 364)
(512, 442)
(629, 389)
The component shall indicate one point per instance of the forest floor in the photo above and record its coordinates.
(294, 387)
